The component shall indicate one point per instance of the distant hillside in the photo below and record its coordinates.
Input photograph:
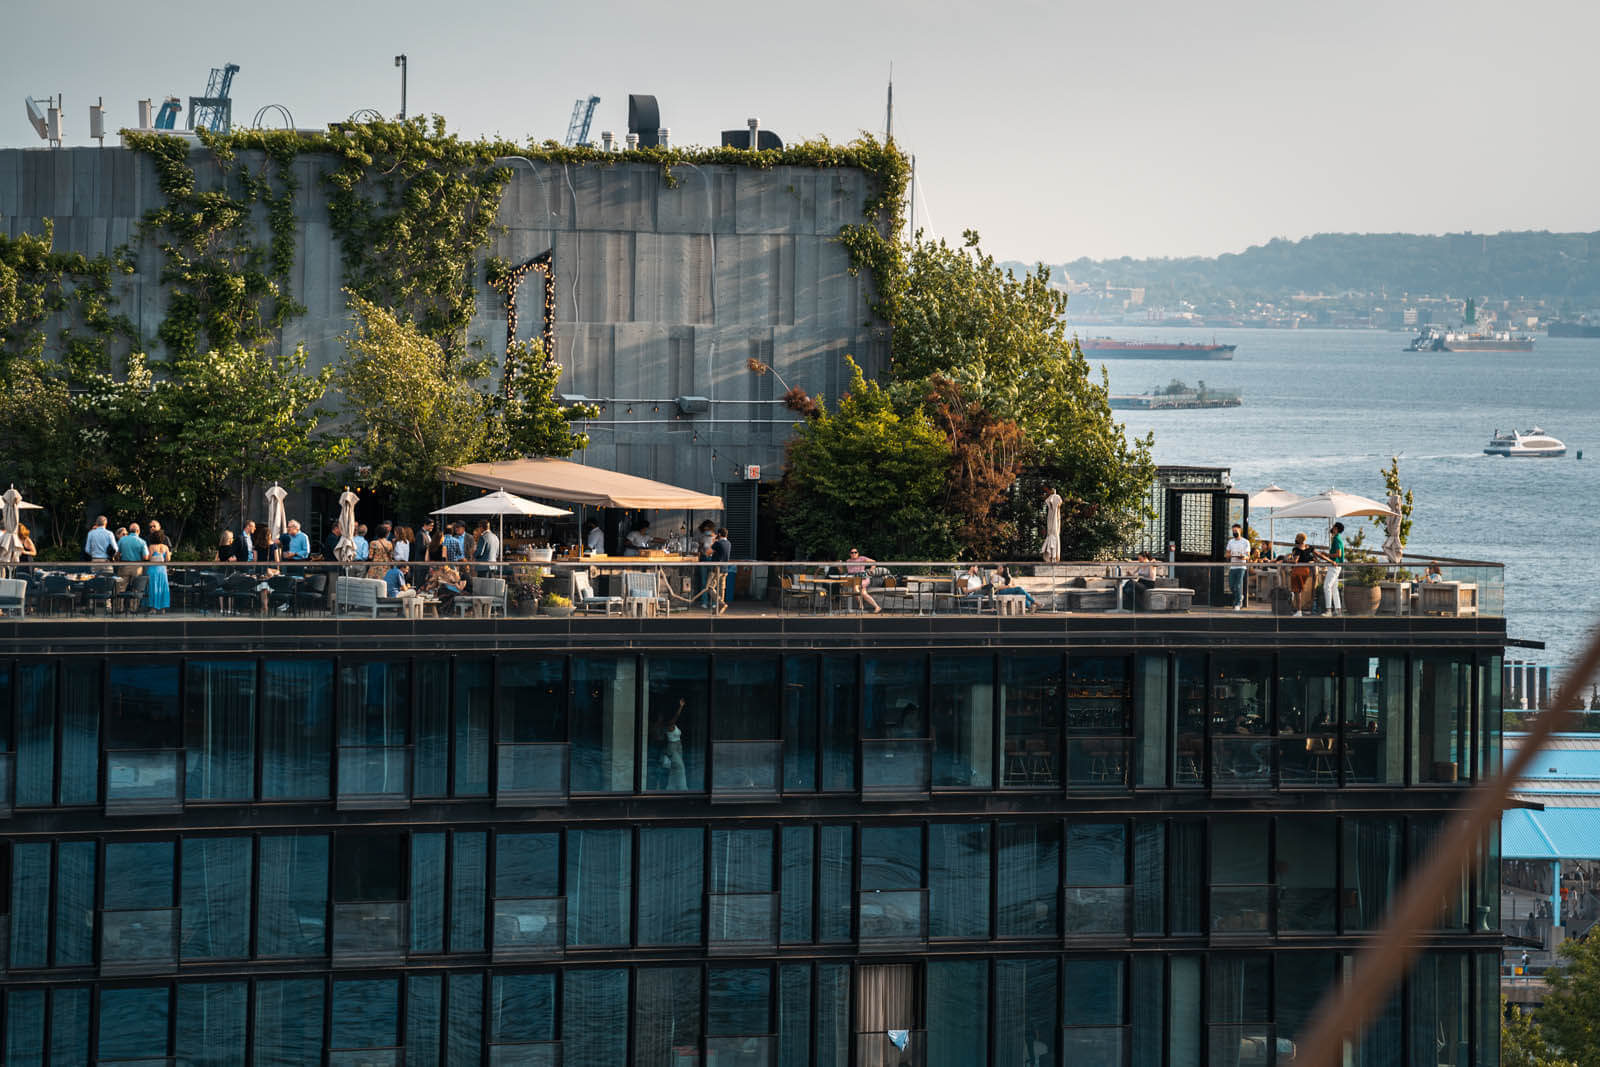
(1560, 268)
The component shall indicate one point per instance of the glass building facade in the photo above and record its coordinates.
(834, 849)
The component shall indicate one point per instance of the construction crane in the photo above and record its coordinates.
(582, 115)
(214, 111)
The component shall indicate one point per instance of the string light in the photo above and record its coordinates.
(511, 283)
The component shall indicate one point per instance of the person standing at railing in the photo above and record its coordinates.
(157, 593)
(100, 545)
(131, 550)
(1300, 559)
(247, 541)
(1334, 557)
(363, 546)
(1238, 552)
(485, 549)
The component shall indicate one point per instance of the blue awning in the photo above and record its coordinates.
(1552, 834)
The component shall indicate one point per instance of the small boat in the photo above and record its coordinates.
(1534, 442)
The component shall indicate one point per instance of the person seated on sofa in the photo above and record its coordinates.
(1005, 585)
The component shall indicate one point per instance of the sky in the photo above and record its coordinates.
(1055, 129)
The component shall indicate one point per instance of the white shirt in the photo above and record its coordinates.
(402, 551)
(639, 539)
(1237, 550)
(596, 541)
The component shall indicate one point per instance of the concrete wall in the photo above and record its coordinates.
(662, 291)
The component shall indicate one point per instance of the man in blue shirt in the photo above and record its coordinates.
(132, 549)
(396, 579)
(455, 544)
(299, 543)
(363, 549)
(100, 544)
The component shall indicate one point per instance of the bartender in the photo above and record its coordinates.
(639, 539)
(594, 538)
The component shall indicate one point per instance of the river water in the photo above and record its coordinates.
(1327, 408)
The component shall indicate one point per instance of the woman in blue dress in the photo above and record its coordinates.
(157, 594)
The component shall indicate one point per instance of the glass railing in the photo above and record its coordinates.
(892, 1048)
(525, 1054)
(892, 917)
(1307, 910)
(531, 773)
(1246, 1045)
(1106, 1045)
(893, 768)
(1241, 910)
(1098, 762)
(1095, 910)
(289, 592)
(366, 1057)
(374, 776)
(745, 770)
(149, 780)
(8, 766)
(741, 922)
(138, 940)
(369, 931)
(745, 1050)
(1242, 762)
(143, 1061)
(529, 928)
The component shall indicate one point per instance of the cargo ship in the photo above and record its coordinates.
(1441, 341)
(1106, 348)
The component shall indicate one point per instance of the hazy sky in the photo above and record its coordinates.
(1055, 129)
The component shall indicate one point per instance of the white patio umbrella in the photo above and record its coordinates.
(1270, 500)
(500, 504)
(276, 521)
(1333, 505)
(345, 549)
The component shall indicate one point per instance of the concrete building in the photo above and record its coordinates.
(663, 291)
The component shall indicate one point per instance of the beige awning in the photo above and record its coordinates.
(560, 479)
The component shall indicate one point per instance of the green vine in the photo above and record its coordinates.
(38, 283)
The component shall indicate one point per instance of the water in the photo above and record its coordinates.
(1327, 408)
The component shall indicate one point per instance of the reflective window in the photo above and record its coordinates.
(604, 723)
(296, 728)
(211, 1024)
(470, 709)
(1441, 701)
(1371, 869)
(1190, 689)
(1241, 716)
(366, 1013)
(593, 1002)
(801, 723)
(1241, 895)
(133, 1023)
(469, 874)
(1151, 692)
(1096, 897)
(373, 729)
(288, 1022)
(835, 901)
(1375, 719)
(799, 847)
(1099, 721)
(958, 1014)
(958, 879)
(1026, 1031)
(1093, 1011)
(1028, 877)
(666, 1014)
(599, 887)
(220, 730)
(36, 735)
(1308, 878)
(75, 885)
(1238, 1009)
(430, 775)
(30, 904)
(81, 702)
(522, 1011)
(1309, 752)
(738, 1004)
(837, 717)
(424, 1019)
(962, 694)
(675, 737)
(464, 1019)
(292, 896)
(671, 866)
(1030, 721)
(427, 892)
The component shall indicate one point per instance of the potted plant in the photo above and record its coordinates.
(1361, 593)
(526, 587)
(556, 604)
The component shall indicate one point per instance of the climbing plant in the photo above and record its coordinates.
(38, 283)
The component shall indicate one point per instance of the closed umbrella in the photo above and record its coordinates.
(345, 549)
(1392, 547)
(1052, 528)
(10, 545)
(1270, 500)
(501, 503)
(276, 521)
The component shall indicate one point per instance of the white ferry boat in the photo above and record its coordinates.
(1534, 442)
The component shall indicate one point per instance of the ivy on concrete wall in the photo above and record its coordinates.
(39, 284)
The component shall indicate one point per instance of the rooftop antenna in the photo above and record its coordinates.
(97, 121)
(400, 61)
(38, 116)
(888, 119)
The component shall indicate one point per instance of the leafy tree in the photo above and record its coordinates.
(414, 412)
(1569, 1018)
(531, 422)
(41, 438)
(1522, 1044)
(251, 419)
(867, 476)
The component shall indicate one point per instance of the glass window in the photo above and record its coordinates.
(1375, 719)
(30, 904)
(138, 878)
(1441, 1010)
(464, 1022)
(1026, 1031)
(292, 897)
(1099, 719)
(1301, 980)
(1241, 713)
(75, 884)
(1189, 753)
(468, 890)
(474, 697)
(143, 711)
(604, 730)
(799, 847)
(599, 887)
(1371, 869)
(527, 865)
(1030, 721)
(211, 1024)
(81, 703)
(1151, 694)
(958, 1014)
(962, 695)
(738, 1002)
(1308, 720)
(1186, 877)
(1029, 875)
(366, 1013)
(522, 1009)
(1096, 896)
(801, 723)
(369, 867)
(893, 907)
(25, 1029)
(593, 1002)
(288, 1023)
(430, 775)
(1240, 875)
(424, 1018)
(1308, 879)
(220, 730)
(794, 1015)
(296, 728)
(1425, 831)
(958, 879)
(675, 738)
(133, 1023)
(1491, 708)
(745, 698)
(69, 1025)
(833, 1015)
(1149, 870)
(1441, 699)
(1093, 1011)
(838, 721)
(374, 713)
(1488, 1006)
(427, 892)
(893, 697)
(532, 703)
(666, 1014)
(1148, 1009)
(835, 902)
(671, 868)
(741, 887)
(36, 735)
(1238, 1006)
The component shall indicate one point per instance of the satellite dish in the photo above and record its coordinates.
(37, 118)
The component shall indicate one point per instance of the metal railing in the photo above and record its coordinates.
(630, 587)
(1095, 910)
(895, 768)
(742, 1050)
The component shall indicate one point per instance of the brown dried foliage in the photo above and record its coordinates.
(986, 456)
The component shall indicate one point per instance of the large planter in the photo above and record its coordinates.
(557, 611)
(524, 608)
(1361, 599)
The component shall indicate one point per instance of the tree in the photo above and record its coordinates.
(531, 422)
(414, 412)
(1569, 1018)
(1003, 341)
(41, 436)
(985, 456)
(867, 476)
(1522, 1044)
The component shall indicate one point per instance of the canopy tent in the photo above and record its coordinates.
(560, 479)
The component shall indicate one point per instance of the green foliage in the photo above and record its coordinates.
(41, 439)
(1569, 1018)
(1391, 482)
(38, 283)
(530, 421)
(867, 476)
(1522, 1043)
(1003, 341)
